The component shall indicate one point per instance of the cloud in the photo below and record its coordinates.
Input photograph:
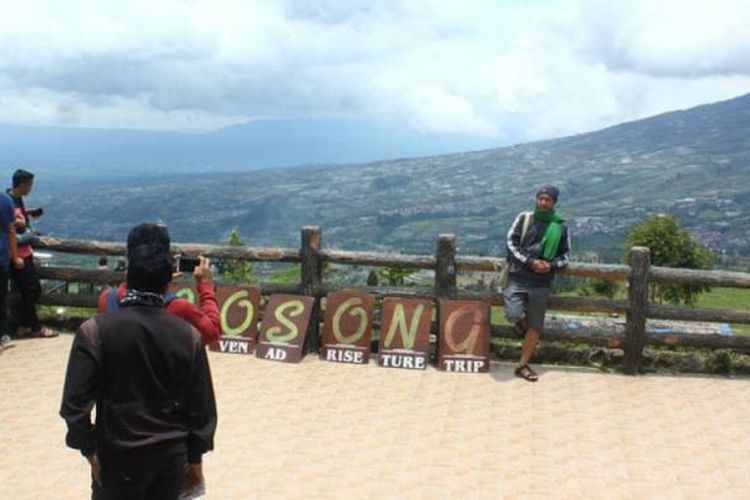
(506, 69)
(670, 38)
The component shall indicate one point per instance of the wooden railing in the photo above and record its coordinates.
(447, 264)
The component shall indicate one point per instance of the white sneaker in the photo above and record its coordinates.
(196, 491)
(5, 342)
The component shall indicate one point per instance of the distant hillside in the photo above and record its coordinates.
(694, 164)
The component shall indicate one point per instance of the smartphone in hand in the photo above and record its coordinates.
(187, 264)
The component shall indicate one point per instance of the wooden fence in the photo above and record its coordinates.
(447, 264)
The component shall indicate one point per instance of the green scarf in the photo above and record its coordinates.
(552, 235)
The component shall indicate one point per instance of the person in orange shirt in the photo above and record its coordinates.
(206, 318)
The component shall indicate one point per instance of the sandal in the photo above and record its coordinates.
(22, 332)
(45, 333)
(525, 372)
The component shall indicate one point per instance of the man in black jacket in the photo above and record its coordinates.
(537, 246)
(24, 275)
(147, 373)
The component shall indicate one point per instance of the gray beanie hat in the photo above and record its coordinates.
(551, 191)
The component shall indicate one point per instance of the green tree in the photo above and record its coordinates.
(234, 269)
(671, 245)
(608, 288)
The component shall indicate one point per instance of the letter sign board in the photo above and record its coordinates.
(239, 306)
(347, 329)
(464, 336)
(405, 333)
(238, 314)
(284, 329)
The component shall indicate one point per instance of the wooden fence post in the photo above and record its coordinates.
(311, 279)
(635, 326)
(445, 273)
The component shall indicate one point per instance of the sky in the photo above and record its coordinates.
(497, 70)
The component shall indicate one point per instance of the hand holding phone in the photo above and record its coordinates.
(203, 271)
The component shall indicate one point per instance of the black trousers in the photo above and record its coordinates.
(4, 277)
(141, 476)
(27, 283)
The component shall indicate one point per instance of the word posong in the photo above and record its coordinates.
(347, 334)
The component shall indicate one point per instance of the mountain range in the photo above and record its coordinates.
(82, 152)
(694, 164)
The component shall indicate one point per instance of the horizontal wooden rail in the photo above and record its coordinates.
(240, 253)
(86, 300)
(599, 271)
(89, 247)
(579, 269)
(672, 276)
(699, 340)
(194, 249)
(658, 311)
(74, 274)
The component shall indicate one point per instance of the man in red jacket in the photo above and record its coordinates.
(206, 318)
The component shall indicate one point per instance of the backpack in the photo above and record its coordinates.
(502, 281)
(113, 302)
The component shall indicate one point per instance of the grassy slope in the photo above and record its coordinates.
(728, 298)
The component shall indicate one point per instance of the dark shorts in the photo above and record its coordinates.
(523, 301)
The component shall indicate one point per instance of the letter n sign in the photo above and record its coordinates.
(347, 329)
(464, 336)
(405, 333)
(285, 322)
(239, 318)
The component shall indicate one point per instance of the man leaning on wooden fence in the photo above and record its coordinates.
(537, 246)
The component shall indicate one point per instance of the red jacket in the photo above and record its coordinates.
(24, 251)
(205, 319)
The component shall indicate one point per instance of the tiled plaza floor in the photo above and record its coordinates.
(324, 430)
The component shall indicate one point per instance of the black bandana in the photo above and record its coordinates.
(137, 298)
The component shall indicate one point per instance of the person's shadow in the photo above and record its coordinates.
(503, 371)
